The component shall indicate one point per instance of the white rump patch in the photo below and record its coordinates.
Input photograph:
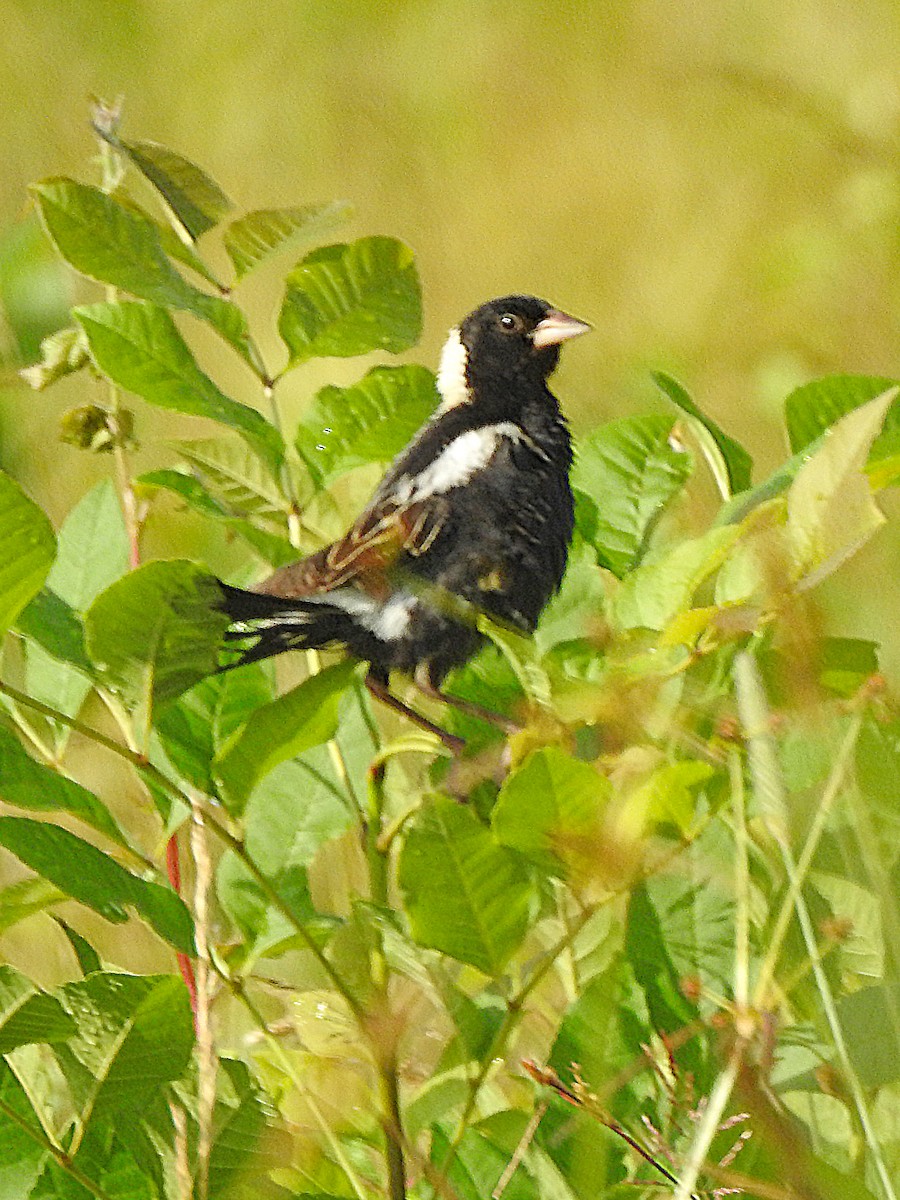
(387, 620)
(451, 376)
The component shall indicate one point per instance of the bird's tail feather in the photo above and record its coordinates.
(264, 625)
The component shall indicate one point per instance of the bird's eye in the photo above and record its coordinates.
(510, 323)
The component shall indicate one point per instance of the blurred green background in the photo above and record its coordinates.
(712, 184)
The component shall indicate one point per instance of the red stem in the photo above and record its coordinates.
(185, 966)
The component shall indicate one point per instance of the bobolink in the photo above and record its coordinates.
(478, 508)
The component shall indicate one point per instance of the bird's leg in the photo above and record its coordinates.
(426, 684)
(379, 689)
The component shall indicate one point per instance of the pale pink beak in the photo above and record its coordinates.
(557, 327)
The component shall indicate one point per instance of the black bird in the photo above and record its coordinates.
(477, 508)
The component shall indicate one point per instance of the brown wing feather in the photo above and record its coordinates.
(365, 553)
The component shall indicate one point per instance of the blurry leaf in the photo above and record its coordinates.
(62, 353)
(95, 879)
(656, 592)
(134, 1035)
(303, 717)
(236, 477)
(157, 631)
(87, 956)
(247, 1140)
(549, 809)
(28, 784)
(589, 1033)
(370, 422)
(811, 409)
(27, 1014)
(22, 1137)
(477, 1167)
(52, 624)
(290, 815)
(645, 946)
(27, 550)
(463, 894)
(139, 347)
(253, 238)
(846, 663)
(875, 1056)
(730, 463)
(23, 899)
(630, 471)
(861, 951)
(668, 795)
(831, 512)
(92, 553)
(577, 608)
(194, 199)
(344, 299)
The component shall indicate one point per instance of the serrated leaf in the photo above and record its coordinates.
(255, 237)
(28, 784)
(463, 893)
(350, 299)
(630, 471)
(730, 463)
(549, 809)
(27, 550)
(304, 717)
(196, 201)
(273, 548)
(653, 594)
(236, 477)
(157, 631)
(370, 422)
(93, 878)
(139, 347)
(831, 512)
(134, 1036)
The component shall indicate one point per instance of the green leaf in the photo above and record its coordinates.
(655, 593)
(139, 347)
(247, 1142)
(157, 631)
(549, 809)
(87, 956)
(630, 471)
(23, 899)
(28, 1015)
(134, 1036)
(255, 237)
(304, 717)
(236, 478)
(53, 626)
(875, 1059)
(27, 549)
(367, 423)
(352, 298)
(108, 242)
(272, 547)
(811, 409)
(93, 878)
(464, 894)
(195, 200)
(22, 1137)
(30, 785)
(730, 463)
(831, 512)
(93, 552)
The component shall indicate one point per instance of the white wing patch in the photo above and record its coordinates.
(387, 620)
(462, 458)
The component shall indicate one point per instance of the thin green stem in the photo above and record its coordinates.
(62, 1158)
(709, 1124)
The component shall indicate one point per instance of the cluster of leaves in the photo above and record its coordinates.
(676, 903)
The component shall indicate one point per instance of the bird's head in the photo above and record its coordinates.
(509, 341)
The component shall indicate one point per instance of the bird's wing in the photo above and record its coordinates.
(384, 531)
